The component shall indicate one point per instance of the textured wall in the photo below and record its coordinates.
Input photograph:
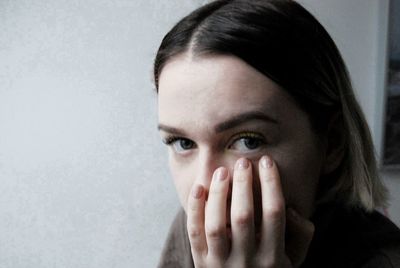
(84, 181)
(84, 178)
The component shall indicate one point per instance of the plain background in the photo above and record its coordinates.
(83, 174)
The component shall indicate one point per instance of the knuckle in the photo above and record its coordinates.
(214, 231)
(267, 261)
(214, 191)
(194, 231)
(267, 264)
(241, 262)
(268, 177)
(194, 206)
(273, 212)
(242, 218)
(241, 177)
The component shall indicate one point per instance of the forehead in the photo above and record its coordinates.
(206, 90)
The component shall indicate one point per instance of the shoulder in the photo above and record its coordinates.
(176, 252)
(384, 258)
(353, 238)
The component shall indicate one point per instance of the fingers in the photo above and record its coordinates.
(273, 211)
(216, 207)
(242, 209)
(195, 222)
(207, 221)
(300, 232)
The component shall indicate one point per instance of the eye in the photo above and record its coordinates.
(247, 142)
(179, 144)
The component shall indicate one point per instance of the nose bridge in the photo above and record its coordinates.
(208, 162)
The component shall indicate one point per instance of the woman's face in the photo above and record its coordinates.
(215, 109)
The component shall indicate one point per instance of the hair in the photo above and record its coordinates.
(283, 41)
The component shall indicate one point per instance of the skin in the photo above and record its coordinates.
(241, 153)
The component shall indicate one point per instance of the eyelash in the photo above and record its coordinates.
(254, 135)
(171, 139)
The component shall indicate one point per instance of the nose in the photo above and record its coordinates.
(208, 162)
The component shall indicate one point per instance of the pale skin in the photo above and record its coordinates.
(244, 159)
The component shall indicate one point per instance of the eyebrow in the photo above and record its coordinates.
(171, 130)
(243, 118)
(229, 124)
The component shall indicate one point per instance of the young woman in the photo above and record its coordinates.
(270, 153)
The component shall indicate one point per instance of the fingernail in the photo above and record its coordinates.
(242, 163)
(197, 191)
(266, 162)
(220, 174)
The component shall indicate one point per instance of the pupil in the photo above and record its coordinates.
(186, 144)
(251, 143)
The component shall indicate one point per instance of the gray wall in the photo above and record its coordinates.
(84, 178)
(394, 26)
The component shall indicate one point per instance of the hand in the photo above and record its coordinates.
(209, 223)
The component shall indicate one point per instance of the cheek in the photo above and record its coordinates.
(300, 174)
